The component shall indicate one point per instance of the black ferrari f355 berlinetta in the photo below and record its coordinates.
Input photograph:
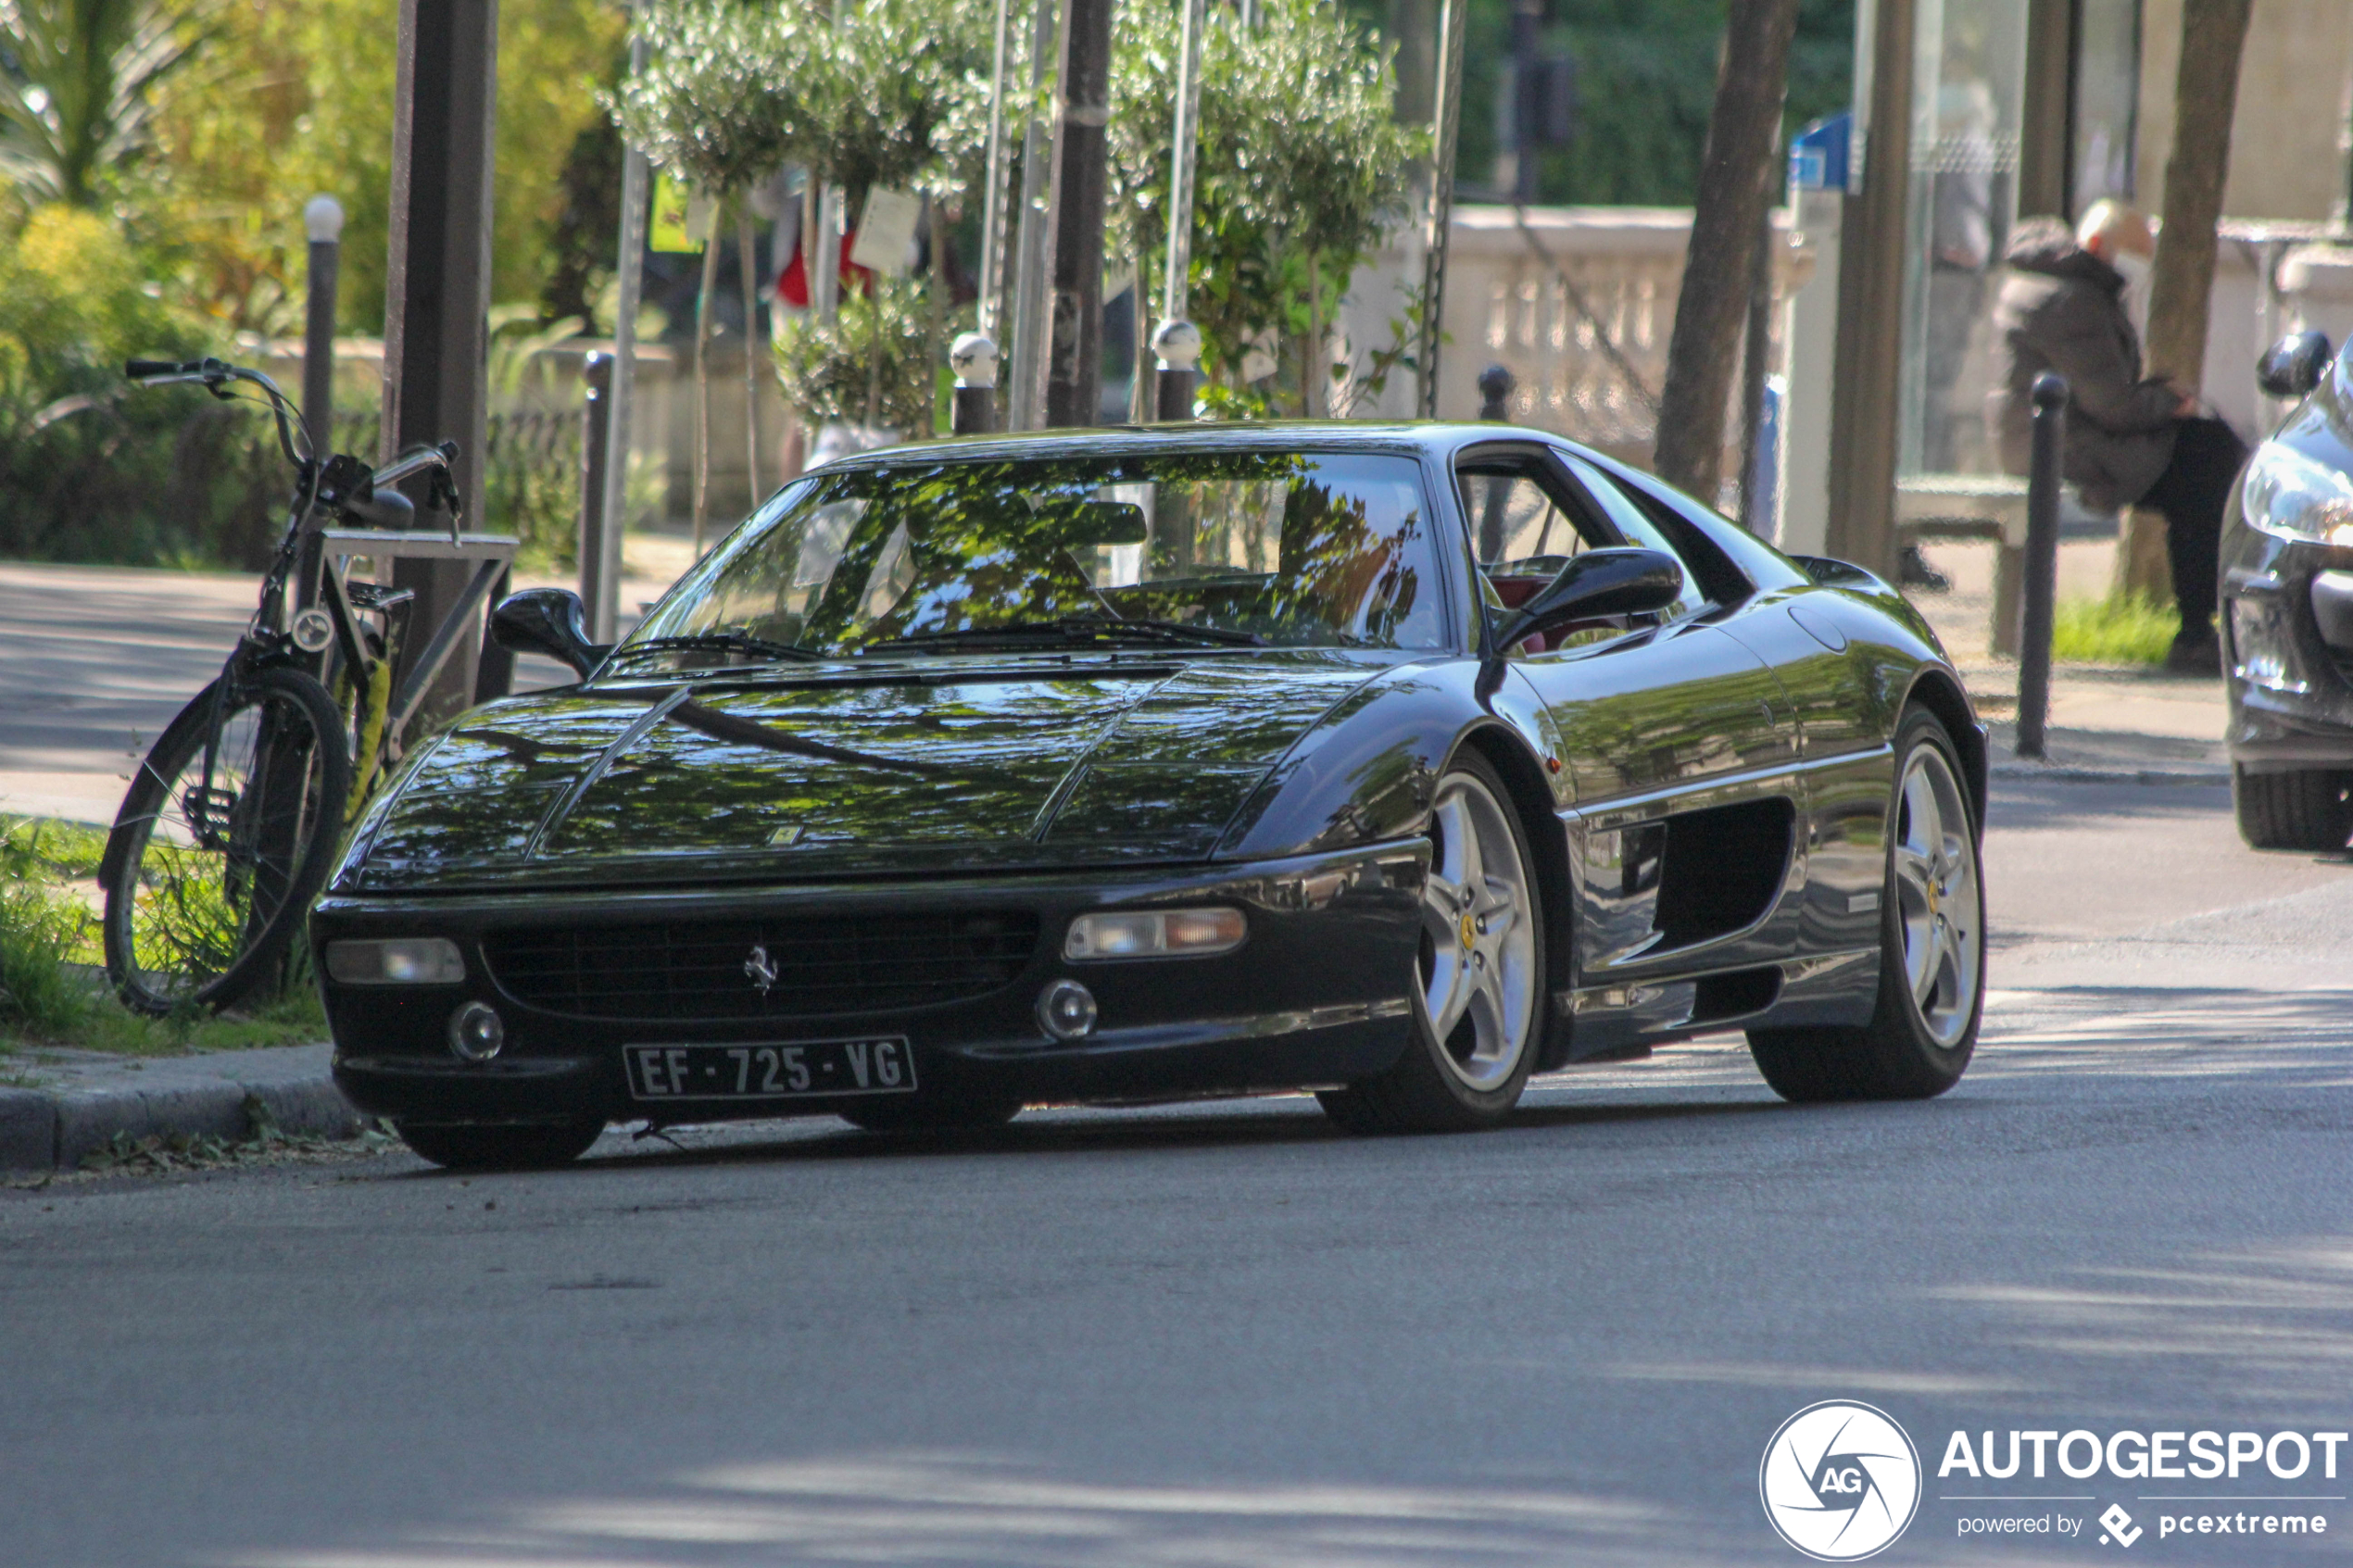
(1392, 762)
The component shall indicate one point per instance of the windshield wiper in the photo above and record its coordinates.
(1077, 629)
(719, 642)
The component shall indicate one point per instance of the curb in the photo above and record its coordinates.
(53, 1129)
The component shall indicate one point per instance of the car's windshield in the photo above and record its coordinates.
(1184, 549)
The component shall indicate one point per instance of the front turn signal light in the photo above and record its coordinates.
(1155, 934)
(405, 960)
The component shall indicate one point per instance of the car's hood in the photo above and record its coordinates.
(923, 766)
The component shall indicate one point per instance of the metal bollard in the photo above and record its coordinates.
(2042, 562)
(1495, 384)
(595, 461)
(322, 222)
(974, 358)
(1177, 345)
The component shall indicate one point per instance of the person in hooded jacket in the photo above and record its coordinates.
(2132, 440)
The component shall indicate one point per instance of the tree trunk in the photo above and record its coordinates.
(1710, 310)
(2205, 98)
(746, 253)
(1756, 350)
(1314, 373)
(702, 382)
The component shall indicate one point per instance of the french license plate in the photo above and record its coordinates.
(879, 1064)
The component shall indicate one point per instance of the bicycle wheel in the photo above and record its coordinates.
(218, 849)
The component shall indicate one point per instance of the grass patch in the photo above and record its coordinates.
(2113, 630)
(53, 989)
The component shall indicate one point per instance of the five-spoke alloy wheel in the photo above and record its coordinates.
(1931, 987)
(1479, 980)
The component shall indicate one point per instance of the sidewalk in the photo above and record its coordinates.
(59, 1106)
(2106, 724)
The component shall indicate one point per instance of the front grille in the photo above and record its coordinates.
(682, 970)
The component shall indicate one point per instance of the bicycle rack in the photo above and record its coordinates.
(494, 554)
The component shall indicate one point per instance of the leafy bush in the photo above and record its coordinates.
(826, 366)
(92, 468)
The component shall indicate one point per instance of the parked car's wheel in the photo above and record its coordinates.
(1477, 987)
(521, 1146)
(1931, 988)
(917, 1113)
(2303, 810)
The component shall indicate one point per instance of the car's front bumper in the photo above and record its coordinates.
(1317, 994)
(2288, 652)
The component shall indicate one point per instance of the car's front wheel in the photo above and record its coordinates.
(1478, 984)
(2310, 809)
(520, 1146)
(1932, 983)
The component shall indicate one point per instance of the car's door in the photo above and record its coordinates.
(1655, 703)
(1840, 691)
(1803, 644)
(1677, 741)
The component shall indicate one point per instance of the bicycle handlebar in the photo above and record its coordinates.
(215, 374)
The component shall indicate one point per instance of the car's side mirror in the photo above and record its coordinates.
(2293, 367)
(1595, 585)
(549, 621)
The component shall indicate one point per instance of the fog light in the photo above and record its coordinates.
(1067, 1010)
(476, 1032)
(1155, 934)
(406, 960)
(2260, 645)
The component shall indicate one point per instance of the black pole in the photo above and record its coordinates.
(2042, 562)
(437, 289)
(1495, 384)
(1177, 345)
(1075, 225)
(1527, 21)
(323, 223)
(595, 461)
(974, 358)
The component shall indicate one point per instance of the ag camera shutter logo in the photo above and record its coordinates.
(1841, 1481)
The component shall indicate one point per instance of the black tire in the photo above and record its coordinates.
(2301, 810)
(1432, 1089)
(494, 1146)
(201, 912)
(918, 1113)
(1899, 1054)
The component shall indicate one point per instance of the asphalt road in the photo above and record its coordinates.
(1223, 1335)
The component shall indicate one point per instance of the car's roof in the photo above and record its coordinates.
(1435, 438)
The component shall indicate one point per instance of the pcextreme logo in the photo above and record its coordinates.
(1840, 1480)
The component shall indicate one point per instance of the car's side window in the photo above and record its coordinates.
(1515, 524)
(1526, 524)
(1636, 527)
(1721, 570)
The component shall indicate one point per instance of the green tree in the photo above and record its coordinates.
(890, 93)
(295, 99)
(78, 96)
(1301, 168)
(1645, 81)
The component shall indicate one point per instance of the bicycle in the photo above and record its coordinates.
(231, 823)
